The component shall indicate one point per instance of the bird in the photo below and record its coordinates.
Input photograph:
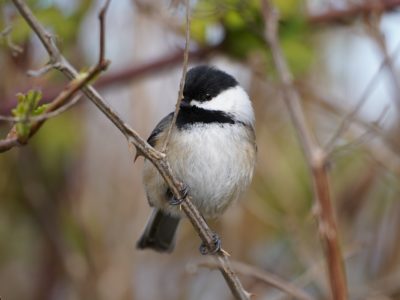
(212, 150)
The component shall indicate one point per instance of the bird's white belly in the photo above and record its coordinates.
(215, 163)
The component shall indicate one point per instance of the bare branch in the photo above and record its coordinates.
(183, 77)
(102, 20)
(262, 275)
(5, 33)
(386, 153)
(44, 70)
(366, 135)
(157, 158)
(373, 29)
(45, 38)
(345, 123)
(316, 159)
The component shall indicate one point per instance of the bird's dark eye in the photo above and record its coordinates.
(208, 97)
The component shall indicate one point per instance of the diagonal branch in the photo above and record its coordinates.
(316, 159)
(157, 158)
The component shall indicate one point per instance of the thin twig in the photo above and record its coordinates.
(345, 123)
(183, 77)
(44, 116)
(316, 160)
(6, 34)
(43, 70)
(6, 31)
(102, 21)
(386, 153)
(330, 106)
(366, 136)
(372, 24)
(157, 158)
(262, 275)
(45, 38)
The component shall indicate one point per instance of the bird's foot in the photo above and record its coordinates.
(184, 191)
(204, 250)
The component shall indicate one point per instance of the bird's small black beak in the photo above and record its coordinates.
(185, 103)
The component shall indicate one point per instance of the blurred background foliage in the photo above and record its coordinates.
(72, 203)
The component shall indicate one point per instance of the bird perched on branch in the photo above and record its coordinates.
(211, 150)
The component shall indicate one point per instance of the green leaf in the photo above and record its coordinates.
(40, 109)
(27, 106)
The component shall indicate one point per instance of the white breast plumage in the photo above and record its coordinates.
(216, 161)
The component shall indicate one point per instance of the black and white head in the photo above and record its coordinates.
(213, 96)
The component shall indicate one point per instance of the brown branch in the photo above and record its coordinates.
(183, 77)
(6, 34)
(102, 21)
(316, 160)
(262, 275)
(157, 158)
(353, 11)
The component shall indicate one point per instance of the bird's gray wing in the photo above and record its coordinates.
(161, 126)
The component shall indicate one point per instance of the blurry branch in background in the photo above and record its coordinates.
(157, 158)
(5, 34)
(158, 14)
(316, 158)
(43, 209)
(352, 11)
(372, 24)
(259, 274)
(367, 135)
(349, 117)
(183, 77)
(120, 77)
(387, 153)
(65, 99)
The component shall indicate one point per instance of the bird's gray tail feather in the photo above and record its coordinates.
(159, 233)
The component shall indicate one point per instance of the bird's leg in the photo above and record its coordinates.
(184, 190)
(204, 250)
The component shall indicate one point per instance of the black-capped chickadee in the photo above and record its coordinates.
(212, 150)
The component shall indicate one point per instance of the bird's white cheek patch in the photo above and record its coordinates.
(234, 101)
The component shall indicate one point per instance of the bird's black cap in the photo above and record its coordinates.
(204, 83)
